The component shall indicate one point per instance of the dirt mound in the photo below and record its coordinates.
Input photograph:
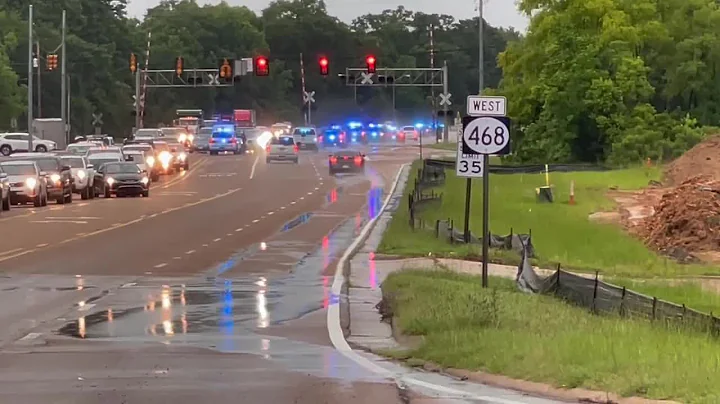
(686, 220)
(703, 159)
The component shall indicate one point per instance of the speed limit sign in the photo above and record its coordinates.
(489, 135)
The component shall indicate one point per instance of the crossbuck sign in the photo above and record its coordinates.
(309, 97)
(97, 119)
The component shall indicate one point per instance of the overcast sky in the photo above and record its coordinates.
(497, 12)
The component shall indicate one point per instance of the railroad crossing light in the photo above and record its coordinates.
(371, 61)
(324, 66)
(262, 67)
(179, 66)
(226, 70)
(133, 63)
(51, 61)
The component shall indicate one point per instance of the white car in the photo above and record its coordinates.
(81, 148)
(139, 157)
(305, 138)
(104, 150)
(18, 142)
(282, 148)
(83, 173)
(151, 133)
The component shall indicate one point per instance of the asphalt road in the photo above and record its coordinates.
(210, 289)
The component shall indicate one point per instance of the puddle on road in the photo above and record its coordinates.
(302, 219)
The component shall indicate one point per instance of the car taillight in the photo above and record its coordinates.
(333, 160)
(342, 136)
(267, 148)
(358, 160)
(296, 148)
(211, 140)
(233, 140)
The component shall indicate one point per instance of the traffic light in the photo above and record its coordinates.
(370, 61)
(52, 61)
(262, 67)
(324, 66)
(133, 63)
(226, 69)
(179, 66)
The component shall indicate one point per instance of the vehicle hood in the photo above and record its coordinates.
(20, 178)
(125, 176)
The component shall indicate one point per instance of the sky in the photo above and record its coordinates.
(498, 13)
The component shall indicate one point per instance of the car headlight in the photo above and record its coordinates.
(145, 180)
(110, 181)
(55, 178)
(81, 174)
(182, 138)
(150, 161)
(182, 156)
(191, 138)
(31, 183)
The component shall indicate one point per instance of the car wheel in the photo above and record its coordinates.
(155, 177)
(107, 193)
(41, 148)
(6, 203)
(331, 172)
(60, 200)
(38, 201)
(85, 194)
(44, 199)
(186, 167)
(68, 197)
(212, 153)
(146, 194)
(296, 161)
(6, 150)
(267, 161)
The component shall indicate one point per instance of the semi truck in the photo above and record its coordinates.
(244, 118)
(190, 119)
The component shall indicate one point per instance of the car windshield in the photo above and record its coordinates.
(122, 169)
(92, 151)
(205, 132)
(147, 133)
(19, 169)
(47, 165)
(409, 128)
(173, 131)
(162, 147)
(284, 141)
(136, 157)
(99, 162)
(138, 148)
(78, 149)
(304, 132)
(74, 162)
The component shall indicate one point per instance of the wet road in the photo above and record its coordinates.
(213, 288)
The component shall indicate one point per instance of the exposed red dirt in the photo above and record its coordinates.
(703, 159)
(686, 220)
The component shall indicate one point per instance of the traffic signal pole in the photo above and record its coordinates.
(30, 79)
(138, 99)
(63, 83)
(39, 74)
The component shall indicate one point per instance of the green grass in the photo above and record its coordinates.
(688, 292)
(561, 232)
(444, 146)
(542, 339)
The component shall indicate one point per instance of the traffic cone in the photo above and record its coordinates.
(572, 193)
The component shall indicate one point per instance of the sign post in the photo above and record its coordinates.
(309, 98)
(486, 132)
(97, 123)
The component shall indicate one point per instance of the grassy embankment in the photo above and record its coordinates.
(539, 338)
(561, 232)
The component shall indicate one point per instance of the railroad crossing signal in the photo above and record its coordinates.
(52, 61)
(213, 79)
(445, 99)
(97, 120)
(309, 97)
(226, 69)
(367, 78)
(179, 66)
(142, 101)
(133, 63)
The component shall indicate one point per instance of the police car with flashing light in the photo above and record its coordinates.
(356, 132)
(375, 132)
(224, 139)
(306, 138)
(334, 135)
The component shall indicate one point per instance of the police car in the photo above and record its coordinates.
(224, 139)
(334, 135)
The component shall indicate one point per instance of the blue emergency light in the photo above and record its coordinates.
(419, 125)
(223, 129)
(354, 125)
(337, 127)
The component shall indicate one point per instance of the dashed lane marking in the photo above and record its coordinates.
(217, 239)
(256, 220)
(239, 230)
(252, 170)
(189, 252)
(160, 265)
(14, 250)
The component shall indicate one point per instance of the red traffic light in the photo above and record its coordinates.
(370, 61)
(324, 64)
(262, 67)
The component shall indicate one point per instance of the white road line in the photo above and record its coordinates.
(282, 208)
(14, 250)
(293, 203)
(205, 245)
(229, 234)
(148, 273)
(217, 239)
(252, 170)
(31, 336)
(86, 307)
(160, 265)
(256, 220)
(310, 193)
(271, 213)
(60, 221)
(317, 188)
(247, 225)
(302, 197)
(42, 245)
(72, 218)
(189, 252)
(239, 230)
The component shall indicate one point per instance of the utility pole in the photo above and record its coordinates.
(138, 100)
(31, 132)
(39, 73)
(481, 48)
(63, 83)
(302, 85)
(432, 89)
(486, 164)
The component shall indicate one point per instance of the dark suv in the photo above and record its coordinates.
(57, 174)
